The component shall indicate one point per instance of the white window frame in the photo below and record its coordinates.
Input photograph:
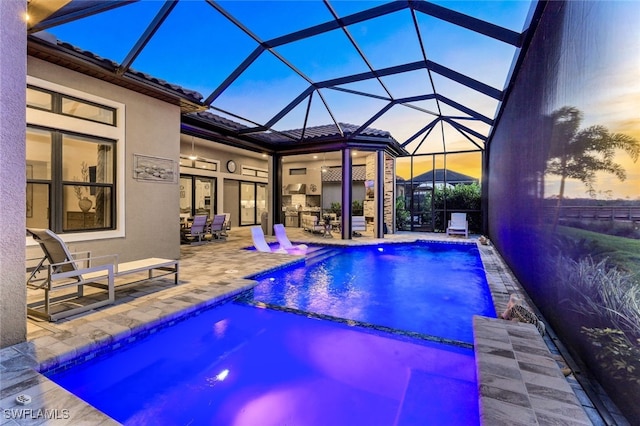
(73, 124)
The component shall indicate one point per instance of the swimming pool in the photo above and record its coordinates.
(431, 288)
(238, 364)
(241, 365)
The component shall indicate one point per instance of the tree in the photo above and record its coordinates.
(580, 154)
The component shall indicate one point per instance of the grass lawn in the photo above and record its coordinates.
(624, 252)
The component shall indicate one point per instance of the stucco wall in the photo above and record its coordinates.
(12, 171)
(152, 128)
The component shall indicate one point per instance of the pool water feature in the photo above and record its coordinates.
(429, 288)
(237, 364)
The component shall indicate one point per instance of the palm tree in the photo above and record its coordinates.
(581, 153)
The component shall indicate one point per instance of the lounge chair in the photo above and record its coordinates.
(285, 243)
(196, 233)
(64, 270)
(217, 227)
(227, 224)
(260, 243)
(458, 225)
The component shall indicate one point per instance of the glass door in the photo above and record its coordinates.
(261, 200)
(247, 203)
(253, 202)
(197, 196)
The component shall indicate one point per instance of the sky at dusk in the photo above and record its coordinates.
(197, 48)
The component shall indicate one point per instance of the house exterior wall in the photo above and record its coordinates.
(211, 150)
(13, 327)
(152, 128)
(578, 271)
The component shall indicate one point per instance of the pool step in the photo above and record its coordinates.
(320, 255)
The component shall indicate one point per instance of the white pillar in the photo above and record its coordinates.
(13, 81)
(347, 177)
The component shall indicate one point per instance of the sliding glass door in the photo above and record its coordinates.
(253, 202)
(197, 196)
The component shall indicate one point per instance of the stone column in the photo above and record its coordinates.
(13, 81)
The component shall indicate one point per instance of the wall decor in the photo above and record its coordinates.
(154, 169)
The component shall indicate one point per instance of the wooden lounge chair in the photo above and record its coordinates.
(60, 271)
(285, 243)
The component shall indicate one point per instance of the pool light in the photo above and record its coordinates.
(222, 375)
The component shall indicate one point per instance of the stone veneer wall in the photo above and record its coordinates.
(389, 200)
(389, 196)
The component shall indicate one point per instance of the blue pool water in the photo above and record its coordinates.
(238, 364)
(241, 365)
(425, 287)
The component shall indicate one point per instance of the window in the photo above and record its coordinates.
(87, 110)
(39, 99)
(71, 106)
(199, 163)
(302, 171)
(70, 181)
(253, 171)
(74, 161)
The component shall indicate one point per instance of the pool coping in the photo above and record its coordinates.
(512, 399)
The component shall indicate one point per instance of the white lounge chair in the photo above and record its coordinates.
(64, 270)
(458, 225)
(285, 243)
(260, 243)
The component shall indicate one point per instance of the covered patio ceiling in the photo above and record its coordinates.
(431, 74)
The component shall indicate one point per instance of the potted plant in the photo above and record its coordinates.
(357, 208)
(81, 191)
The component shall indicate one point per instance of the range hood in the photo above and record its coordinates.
(296, 188)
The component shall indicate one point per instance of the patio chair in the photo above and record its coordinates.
(285, 243)
(260, 243)
(217, 227)
(196, 233)
(458, 225)
(65, 270)
(227, 224)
